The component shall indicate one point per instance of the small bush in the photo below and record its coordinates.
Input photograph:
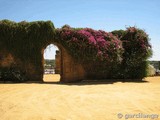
(12, 74)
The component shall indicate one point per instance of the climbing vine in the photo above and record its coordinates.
(116, 54)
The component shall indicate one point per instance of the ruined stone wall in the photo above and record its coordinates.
(70, 69)
(6, 59)
(66, 66)
(31, 71)
(57, 62)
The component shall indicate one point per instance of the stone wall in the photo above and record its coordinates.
(6, 59)
(57, 62)
(71, 70)
(66, 66)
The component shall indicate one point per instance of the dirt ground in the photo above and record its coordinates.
(80, 101)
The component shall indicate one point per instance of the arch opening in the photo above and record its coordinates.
(52, 64)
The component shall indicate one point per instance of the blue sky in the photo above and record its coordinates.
(106, 15)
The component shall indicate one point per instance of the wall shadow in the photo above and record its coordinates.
(83, 82)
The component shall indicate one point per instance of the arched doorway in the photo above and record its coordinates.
(52, 64)
(66, 69)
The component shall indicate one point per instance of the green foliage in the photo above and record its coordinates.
(25, 39)
(119, 54)
(49, 63)
(137, 50)
(119, 33)
(12, 74)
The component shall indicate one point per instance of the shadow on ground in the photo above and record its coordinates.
(83, 82)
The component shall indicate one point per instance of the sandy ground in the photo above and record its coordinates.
(79, 101)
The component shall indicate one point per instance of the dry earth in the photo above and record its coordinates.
(79, 101)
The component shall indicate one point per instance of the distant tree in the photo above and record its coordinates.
(49, 63)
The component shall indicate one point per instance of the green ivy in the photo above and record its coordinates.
(25, 40)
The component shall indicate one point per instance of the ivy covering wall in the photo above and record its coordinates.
(117, 54)
(25, 41)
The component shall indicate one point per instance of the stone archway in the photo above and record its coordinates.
(51, 64)
(70, 69)
(67, 67)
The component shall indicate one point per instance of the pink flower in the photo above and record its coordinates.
(92, 40)
(84, 32)
(101, 42)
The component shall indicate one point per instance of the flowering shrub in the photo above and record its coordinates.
(135, 43)
(119, 54)
(137, 50)
(88, 44)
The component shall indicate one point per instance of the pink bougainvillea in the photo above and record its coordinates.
(137, 44)
(120, 54)
(94, 44)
